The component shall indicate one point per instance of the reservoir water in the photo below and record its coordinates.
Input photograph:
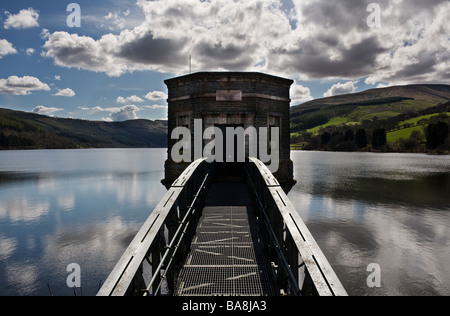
(59, 207)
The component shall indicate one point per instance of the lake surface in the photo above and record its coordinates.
(61, 207)
(72, 206)
(389, 209)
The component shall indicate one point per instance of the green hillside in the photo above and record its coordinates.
(411, 118)
(23, 130)
(405, 129)
(366, 107)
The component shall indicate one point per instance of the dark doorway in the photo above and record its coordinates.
(229, 171)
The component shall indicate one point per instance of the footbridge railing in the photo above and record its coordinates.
(149, 263)
(301, 266)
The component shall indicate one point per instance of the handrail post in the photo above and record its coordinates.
(156, 260)
(171, 225)
(292, 256)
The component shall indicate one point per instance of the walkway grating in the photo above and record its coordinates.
(227, 257)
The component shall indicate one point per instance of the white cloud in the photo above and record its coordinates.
(341, 88)
(6, 48)
(22, 86)
(411, 46)
(91, 111)
(96, 109)
(29, 51)
(155, 107)
(318, 39)
(219, 35)
(26, 18)
(130, 99)
(42, 110)
(125, 113)
(420, 51)
(300, 94)
(45, 34)
(117, 19)
(156, 96)
(74, 51)
(69, 93)
(117, 114)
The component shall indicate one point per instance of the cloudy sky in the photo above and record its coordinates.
(112, 66)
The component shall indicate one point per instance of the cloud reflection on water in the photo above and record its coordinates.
(401, 223)
(87, 216)
(21, 209)
(361, 208)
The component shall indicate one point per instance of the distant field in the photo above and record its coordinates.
(380, 115)
(416, 120)
(405, 133)
(337, 121)
(369, 113)
(296, 146)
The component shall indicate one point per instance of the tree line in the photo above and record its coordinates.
(346, 140)
(433, 138)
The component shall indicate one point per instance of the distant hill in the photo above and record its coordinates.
(367, 106)
(23, 130)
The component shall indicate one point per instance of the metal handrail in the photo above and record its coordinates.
(166, 231)
(177, 239)
(305, 266)
(165, 238)
(274, 240)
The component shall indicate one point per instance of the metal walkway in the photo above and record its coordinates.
(227, 255)
(208, 238)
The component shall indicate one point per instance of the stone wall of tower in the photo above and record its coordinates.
(230, 98)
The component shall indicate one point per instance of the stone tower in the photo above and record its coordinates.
(227, 100)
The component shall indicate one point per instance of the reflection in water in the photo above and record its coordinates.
(23, 276)
(7, 247)
(21, 209)
(84, 207)
(63, 207)
(95, 247)
(387, 209)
